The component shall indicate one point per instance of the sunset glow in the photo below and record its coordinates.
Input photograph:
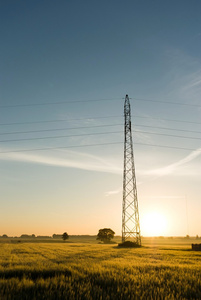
(154, 224)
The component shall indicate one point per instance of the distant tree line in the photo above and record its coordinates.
(105, 235)
(63, 236)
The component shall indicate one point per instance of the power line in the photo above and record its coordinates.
(170, 135)
(63, 147)
(99, 133)
(166, 128)
(166, 102)
(96, 118)
(164, 119)
(96, 100)
(57, 137)
(101, 144)
(57, 103)
(57, 120)
(59, 129)
(168, 147)
(95, 126)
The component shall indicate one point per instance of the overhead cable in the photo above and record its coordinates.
(56, 103)
(166, 102)
(96, 133)
(101, 144)
(62, 147)
(170, 135)
(58, 137)
(95, 118)
(96, 100)
(95, 126)
(167, 128)
(60, 129)
(58, 120)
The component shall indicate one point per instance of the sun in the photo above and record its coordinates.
(154, 224)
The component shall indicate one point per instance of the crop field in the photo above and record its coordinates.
(161, 269)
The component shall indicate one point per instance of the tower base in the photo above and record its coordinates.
(129, 244)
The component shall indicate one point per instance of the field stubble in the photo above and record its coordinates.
(159, 270)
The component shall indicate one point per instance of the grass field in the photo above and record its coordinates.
(161, 269)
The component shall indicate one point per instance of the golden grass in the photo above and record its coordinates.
(160, 270)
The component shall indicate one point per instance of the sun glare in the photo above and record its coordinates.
(154, 224)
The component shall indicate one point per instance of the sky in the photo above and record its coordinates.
(65, 68)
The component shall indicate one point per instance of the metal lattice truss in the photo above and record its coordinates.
(130, 213)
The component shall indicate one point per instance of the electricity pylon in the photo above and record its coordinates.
(130, 213)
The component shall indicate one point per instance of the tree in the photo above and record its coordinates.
(105, 235)
(65, 236)
(57, 236)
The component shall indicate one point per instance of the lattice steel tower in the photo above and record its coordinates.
(130, 213)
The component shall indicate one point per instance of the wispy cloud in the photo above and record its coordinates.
(194, 81)
(185, 75)
(173, 167)
(114, 192)
(163, 197)
(67, 159)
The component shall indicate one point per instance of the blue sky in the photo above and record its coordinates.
(84, 57)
